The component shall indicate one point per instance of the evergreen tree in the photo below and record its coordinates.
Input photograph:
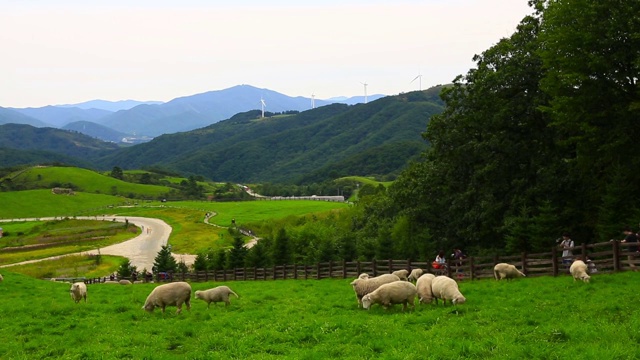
(237, 254)
(200, 263)
(281, 248)
(117, 173)
(164, 261)
(125, 270)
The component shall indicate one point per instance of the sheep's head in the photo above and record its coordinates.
(366, 302)
(363, 276)
(586, 278)
(197, 294)
(148, 307)
(459, 300)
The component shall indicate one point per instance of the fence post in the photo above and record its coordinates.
(244, 273)
(472, 273)
(554, 261)
(330, 268)
(375, 268)
(616, 256)
(295, 271)
(448, 266)
(317, 271)
(524, 263)
(358, 267)
(224, 275)
(344, 269)
(306, 274)
(274, 272)
(390, 266)
(409, 264)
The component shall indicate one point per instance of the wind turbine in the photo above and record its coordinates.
(365, 91)
(419, 78)
(263, 105)
(313, 101)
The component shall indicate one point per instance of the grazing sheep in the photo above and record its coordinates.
(445, 288)
(1, 278)
(124, 282)
(78, 291)
(363, 276)
(171, 294)
(397, 292)
(402, 274)
(364, 286)
(415, 274)
(217, 294)
(423, 287)
(579, 271)
(506, 271)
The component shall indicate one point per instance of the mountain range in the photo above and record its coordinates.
(377, 138)
(152, 118)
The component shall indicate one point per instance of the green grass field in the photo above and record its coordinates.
(72, 266)
(530, 318)
(86, 181)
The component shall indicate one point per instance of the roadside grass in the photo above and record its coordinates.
(365, 180)
(61, 236)
(530, 318)
(71, 266)
(86, 181)
(41, 203)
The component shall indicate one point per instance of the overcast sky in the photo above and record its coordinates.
(61, 52)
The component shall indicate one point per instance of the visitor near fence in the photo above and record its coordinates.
(440, 262)
(567, 245)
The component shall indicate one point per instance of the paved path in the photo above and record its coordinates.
(140, 250)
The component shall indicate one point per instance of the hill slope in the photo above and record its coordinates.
(375, 138)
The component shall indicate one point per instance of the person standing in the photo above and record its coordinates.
(567, 249)
(632, 238)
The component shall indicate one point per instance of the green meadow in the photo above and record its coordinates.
(529, 318)
(41, 203)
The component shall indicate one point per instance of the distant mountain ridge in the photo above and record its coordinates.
(111, 106)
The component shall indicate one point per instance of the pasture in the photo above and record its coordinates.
(530, 318)
(41, 203)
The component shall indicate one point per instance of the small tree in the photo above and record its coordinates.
(126, 269)
(117, 173)
(200, 263)
(238, 252)
(164, 261)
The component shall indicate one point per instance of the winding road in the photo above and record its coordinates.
(141, 250)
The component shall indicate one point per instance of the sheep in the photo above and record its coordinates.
(397, 292)
(172, 294)
(415, 274)
(78, 291)
(1, 278)
(423, 287)
(579, 271)
(363, 276)
(217, 294)
(506, 271)
(364, 286)
(445, 288)
(124, 282)
(402, 274)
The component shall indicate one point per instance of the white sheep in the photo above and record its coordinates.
(397, 292)
(364, 286)
(506, 271)
(1, 278)
(78, 292)
(445, 288)
(124, 282)
(579, 271)
(363, 276)
(217, 294)
(172, 294)
(415, 274)
(402, 274)
(423, 287)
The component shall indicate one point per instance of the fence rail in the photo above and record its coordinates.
(603, 257)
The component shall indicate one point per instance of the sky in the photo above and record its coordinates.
(71, 51)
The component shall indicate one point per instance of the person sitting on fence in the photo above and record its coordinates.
(567, 245)
(441, 262)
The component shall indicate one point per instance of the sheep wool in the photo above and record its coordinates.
(78, 291)
(217, 294)
(397, 292)
(445, 288)
(363, 276)
(423, 288)
(124, 282)
(402, 274)
(1, 278)
(415, 274)
(172, 294)
(579, 271)
(506, 271)
(363, 287)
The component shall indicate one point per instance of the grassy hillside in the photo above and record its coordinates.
(537, 318)
(85, 181)
(40, 203)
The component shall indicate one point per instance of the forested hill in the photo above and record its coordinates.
(330, 141)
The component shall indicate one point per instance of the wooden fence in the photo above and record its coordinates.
(604, 257)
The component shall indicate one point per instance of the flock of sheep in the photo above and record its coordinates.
(398, 287)
(171, 294)
(386, 290)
